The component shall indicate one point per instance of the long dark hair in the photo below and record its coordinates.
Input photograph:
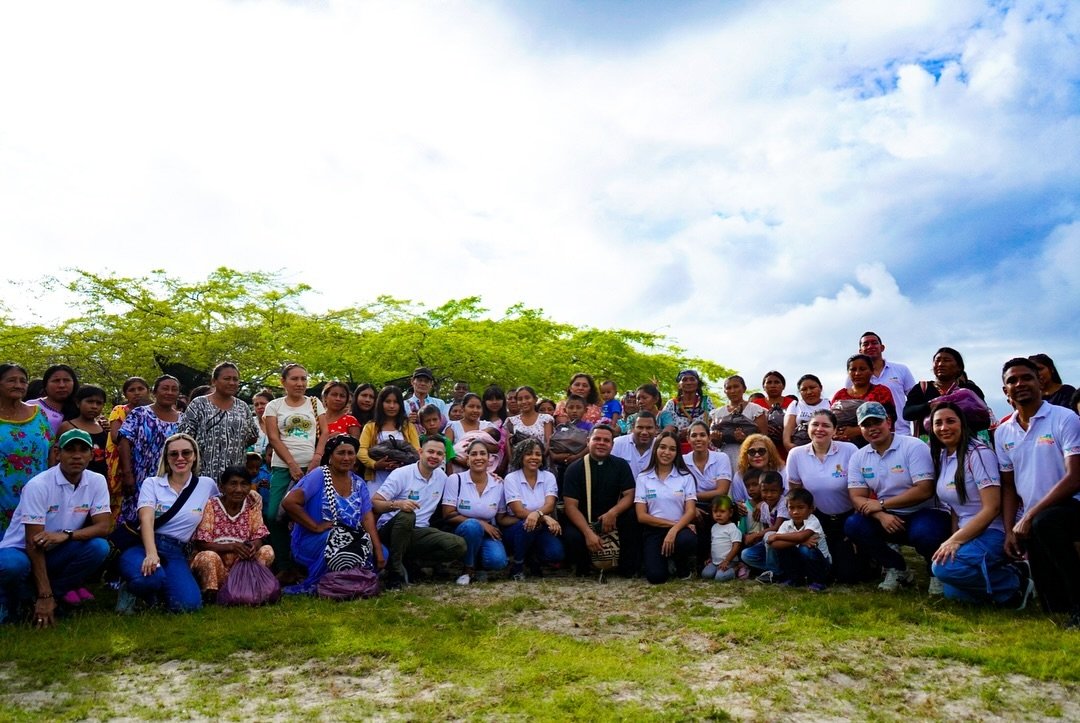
(69, 407)
(494, 391)
(362, 416)
(380, 415)
(593, 397)
(938, 450)
(679, 464)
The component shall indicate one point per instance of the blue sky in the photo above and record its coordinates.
(760, 181)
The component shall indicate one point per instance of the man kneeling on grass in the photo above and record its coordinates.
(406, 501)
(49, 539)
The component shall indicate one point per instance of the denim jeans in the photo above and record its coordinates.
(979, 573)
(802, 565)
(924, 530)
(481, 552)
(549, 548)
(173, 579)
(656, 564)
(712, 572)
(67, 564)
(761, 557)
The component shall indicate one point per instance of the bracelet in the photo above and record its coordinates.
(46, 596)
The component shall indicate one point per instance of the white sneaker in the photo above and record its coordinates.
(895, 578)
(936, 587)
(463, 579)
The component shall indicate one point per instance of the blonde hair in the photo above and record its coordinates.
(774, 464)
(163, 465)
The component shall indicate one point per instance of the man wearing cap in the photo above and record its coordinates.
(636, 447)
(896, 376)
(1038, 449)
(422, 381)
(405, 503)
(49, 541)
(891, 484)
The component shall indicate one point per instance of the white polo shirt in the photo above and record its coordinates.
(406, 483)
(156, 493)
(625, 448)
(827, 480)
(1036, 456)
(980, 472)
(717, 467)
(461, 493)
(810, 523)
(48, 499)
(517, 489)
(906, 462)
(665, 498)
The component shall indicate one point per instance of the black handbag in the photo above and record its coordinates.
(127, 535)
(346, 548)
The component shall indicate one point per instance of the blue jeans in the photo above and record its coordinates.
(656, 564)
(924, 530)
(549, 548)
(173, 579)
(980, 572)
(761, 557)
(479, 548)
(802, 565)
(712, 572)
(67, 564)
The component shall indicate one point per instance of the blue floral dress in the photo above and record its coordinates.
(147, 434)
(24, 452)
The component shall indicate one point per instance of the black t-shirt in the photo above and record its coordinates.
(610, 479)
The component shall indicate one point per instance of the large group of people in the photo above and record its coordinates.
(173, 501)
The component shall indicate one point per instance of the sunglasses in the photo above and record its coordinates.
(177, 453)
(757, 452)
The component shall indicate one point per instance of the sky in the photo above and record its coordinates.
(761, 182)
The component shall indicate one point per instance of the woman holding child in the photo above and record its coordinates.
(821, 468)
(971, 563)
(665, 499)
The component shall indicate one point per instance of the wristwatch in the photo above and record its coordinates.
(70, 534)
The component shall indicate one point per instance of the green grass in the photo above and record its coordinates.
(553, 649)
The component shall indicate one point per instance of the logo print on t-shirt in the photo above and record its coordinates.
(1046, 439)
(298, 425)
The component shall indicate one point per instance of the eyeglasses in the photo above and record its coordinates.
(757, 452)
(177, 453)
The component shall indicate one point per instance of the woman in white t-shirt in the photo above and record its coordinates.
(158, 566)
(798, 413)
(296, 430)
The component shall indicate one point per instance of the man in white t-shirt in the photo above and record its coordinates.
(896, 376)
(636, 447)
(891, 484)
(405, 503)
(49, 543)
(1038, 450)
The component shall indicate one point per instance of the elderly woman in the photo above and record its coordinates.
(665, 499)
(231, 529)
(25, 436)
(971, 564)
(170, 508)
(949, 376)
(221, 424)
(531, 493)
(332, 497)
(474, 504)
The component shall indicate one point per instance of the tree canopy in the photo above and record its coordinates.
(124, 326)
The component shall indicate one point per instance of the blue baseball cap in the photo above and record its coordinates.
(870, 410)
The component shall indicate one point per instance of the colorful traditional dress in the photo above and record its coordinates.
(112, 455)
(147, 434)
(219, 527)
(222, 434)
(24, 452)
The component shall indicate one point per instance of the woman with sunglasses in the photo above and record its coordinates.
(158, 568)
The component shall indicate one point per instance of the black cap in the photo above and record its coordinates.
(423, 372)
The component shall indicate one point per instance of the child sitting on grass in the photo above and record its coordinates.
(723, 562)
(801, 550)
(771, 513)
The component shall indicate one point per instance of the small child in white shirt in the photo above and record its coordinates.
(801, 549)
(723, 562)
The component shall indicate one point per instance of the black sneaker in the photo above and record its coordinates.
(393, 581)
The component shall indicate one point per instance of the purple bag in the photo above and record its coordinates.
(358, 582)
(249, 583)
(976, 413)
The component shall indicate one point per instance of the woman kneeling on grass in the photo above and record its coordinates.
(474, 504)
(971, 563)
(170, 507)
(531, 493)
(665, 498)
(328, 497)
(232, 529)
